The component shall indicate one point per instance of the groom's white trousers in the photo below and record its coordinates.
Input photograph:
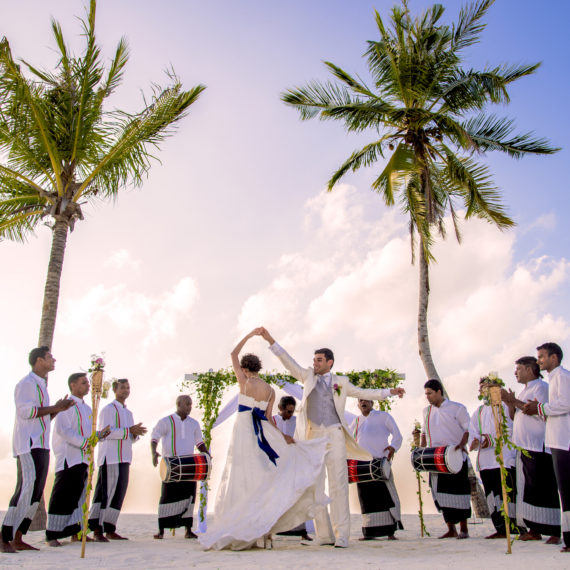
(337, 472)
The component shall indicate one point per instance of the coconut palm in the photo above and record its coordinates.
(64, 149)
(429, 112)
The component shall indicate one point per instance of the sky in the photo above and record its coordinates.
(233, 228)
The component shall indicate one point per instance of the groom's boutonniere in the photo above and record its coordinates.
(337, 389)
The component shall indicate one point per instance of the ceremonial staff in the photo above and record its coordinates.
(97, 389)
(496, 405)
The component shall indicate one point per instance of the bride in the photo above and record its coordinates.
(268, 483)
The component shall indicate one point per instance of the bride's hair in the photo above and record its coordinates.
(250, 362)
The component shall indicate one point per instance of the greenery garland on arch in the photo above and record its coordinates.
(209, 388)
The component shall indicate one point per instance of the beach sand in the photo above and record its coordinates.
(410, 551)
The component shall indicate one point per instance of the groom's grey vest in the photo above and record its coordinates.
(320, 404)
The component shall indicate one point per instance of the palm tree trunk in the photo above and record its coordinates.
(423, 335)
(51, 292)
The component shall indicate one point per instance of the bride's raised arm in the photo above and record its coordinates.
(235, 354)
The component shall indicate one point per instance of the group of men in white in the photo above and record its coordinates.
(538, 465)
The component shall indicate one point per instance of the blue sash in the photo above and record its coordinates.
(257, 416)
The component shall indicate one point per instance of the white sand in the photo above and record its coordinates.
(410, 551)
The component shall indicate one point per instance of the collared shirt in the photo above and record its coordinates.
(117, 446)
(445, 425)
(71, 434)
(177, 437)
(372, 432)
(528, 431)
(30, 431)
(557, 411)
(482, 427)
(286, 426)
(321, 410)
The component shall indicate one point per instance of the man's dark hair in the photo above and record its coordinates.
(531, 362)
(36, 353)
(116, 383)
(551, 348)
(434, 385)
(286, 401)
(74, 378)
(326, 352)
(250, 362)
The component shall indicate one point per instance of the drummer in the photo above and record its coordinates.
(379, 501)
(178, 434)
(446, 423)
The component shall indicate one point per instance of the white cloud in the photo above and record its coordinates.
(156, 317)
(122, 259)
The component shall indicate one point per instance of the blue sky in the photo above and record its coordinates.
(232, 229)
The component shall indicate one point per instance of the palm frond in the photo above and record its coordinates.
(400, 165)
(469, 26)
(364, 157)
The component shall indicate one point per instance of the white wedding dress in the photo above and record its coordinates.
(256, 496)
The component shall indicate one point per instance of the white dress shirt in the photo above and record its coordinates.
(373, 431)
(557, 411)
(445, 425)
(286, 426)
(528, 431)
(177, 437)
(71, 434)
(30, 431)
(482, 427)
(117, 446)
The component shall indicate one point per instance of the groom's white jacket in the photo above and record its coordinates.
(308, 378)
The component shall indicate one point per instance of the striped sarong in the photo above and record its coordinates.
(452, 494)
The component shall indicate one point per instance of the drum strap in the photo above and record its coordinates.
(258, 416)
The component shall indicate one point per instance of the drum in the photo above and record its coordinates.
(185, 468)
(366, 471)
(437, 459)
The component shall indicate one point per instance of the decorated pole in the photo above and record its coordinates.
(97, 366)
(416, 442)
(496, 405)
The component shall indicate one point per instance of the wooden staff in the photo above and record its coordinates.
(495, 397)
(417, 442)
(96, 390)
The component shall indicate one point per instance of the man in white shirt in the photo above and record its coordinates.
(377, 432)
(114, 459)
(30, 447)
(446, 423)
(556, 413)
(71, 449)
(538, 504)
(321, 414)
(483, 438)
(178, 434)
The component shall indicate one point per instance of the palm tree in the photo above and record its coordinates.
(428, 111)
(64, 149)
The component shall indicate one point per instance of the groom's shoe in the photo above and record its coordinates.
(326, 542)
(341, 543)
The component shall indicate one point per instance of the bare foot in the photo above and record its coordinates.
(553, 540)
(530, 535)
(159, 536)
(392, 537)
(565, 549)
(115, 536)
(7, 548)
(363, 538)
(497, 535)
(98, 537)
(449, 534)
(189, 534)
(21, 545)
(53, 542)
(463, 535)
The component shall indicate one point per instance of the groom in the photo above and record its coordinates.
(321, 414)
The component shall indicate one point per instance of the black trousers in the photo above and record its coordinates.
(561, 461)
(30, 483)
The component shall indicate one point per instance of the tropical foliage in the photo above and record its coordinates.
(428, 115)
(64, 148)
